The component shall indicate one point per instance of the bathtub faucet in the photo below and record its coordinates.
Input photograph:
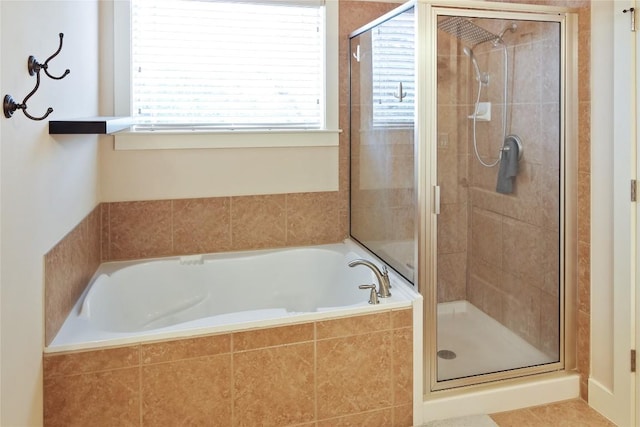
(382, 276)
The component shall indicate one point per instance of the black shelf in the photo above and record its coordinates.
(91, 125)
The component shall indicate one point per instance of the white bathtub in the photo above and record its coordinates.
(145, 300)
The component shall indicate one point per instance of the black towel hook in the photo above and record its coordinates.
(34, 66)
(9, 105)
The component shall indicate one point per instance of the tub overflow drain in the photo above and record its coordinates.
(446, 354)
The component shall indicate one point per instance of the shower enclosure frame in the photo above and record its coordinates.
(426, 185)
(428, 191)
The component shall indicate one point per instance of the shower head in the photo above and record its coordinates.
(479, 77)
(465, 30)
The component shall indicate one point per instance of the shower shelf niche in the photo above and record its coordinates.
(484, 112)
(90, 125)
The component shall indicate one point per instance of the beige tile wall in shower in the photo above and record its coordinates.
(513, 250)
(496, 291)
(452, 171)
(348, 371)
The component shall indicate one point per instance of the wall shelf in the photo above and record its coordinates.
(91, 125)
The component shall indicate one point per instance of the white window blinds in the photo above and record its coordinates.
(228, 64)
(393, 67)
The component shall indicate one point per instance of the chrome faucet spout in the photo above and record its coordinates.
(382, 276)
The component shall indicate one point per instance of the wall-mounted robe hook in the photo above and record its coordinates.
(9, 105)
(34, 66)
(400, 94)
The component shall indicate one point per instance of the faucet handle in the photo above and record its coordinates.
(385, 274)
(373, 296)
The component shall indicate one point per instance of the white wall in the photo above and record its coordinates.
(47, 185)
(601, 194)
(211, 172)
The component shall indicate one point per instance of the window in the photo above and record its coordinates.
(261, 83)
(393, 65)
(228, 63)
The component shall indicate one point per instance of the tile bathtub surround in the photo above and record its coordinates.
(68, 267)
(346, 371)
(144, 229)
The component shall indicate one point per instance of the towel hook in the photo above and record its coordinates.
(35, 67)
(10, 106)
(400, 94)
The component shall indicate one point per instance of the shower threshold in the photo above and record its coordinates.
(480, 343)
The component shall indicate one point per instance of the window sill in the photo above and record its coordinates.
(199, 139)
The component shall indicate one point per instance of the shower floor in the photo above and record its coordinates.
(480, 343)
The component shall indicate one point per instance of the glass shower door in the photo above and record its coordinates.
(499, 174)
(383, 202)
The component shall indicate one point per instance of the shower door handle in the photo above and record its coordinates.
(436, 199)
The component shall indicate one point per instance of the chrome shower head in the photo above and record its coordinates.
(479, 76)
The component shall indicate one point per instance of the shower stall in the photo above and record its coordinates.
(462, 130)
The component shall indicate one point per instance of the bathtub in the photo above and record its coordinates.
(167, 298)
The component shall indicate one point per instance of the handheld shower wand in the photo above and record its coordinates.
(480, 77)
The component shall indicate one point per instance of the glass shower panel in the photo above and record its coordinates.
(383, 202)
(499, 173)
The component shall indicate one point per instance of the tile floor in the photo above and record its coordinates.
(571, 413)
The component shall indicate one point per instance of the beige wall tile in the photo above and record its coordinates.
(452, 228)
(101, 398)
(258, 222)
(201, 225)
(274, 386)
(270, 337)
(314, 218)
(187, 348)
(583, 344)
(69, 266)
(55, 365)
(452, 277)
(584, 279)
(403, 415)
(486, 238)
(354, 325)
(522, 314)
(105, 232)
(140, 229)
(550, 325)
(402, 366)
(187, 392)
(402, 318)
(273, 377)
(354, 374)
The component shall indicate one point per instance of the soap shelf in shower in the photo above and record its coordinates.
(484, 112)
